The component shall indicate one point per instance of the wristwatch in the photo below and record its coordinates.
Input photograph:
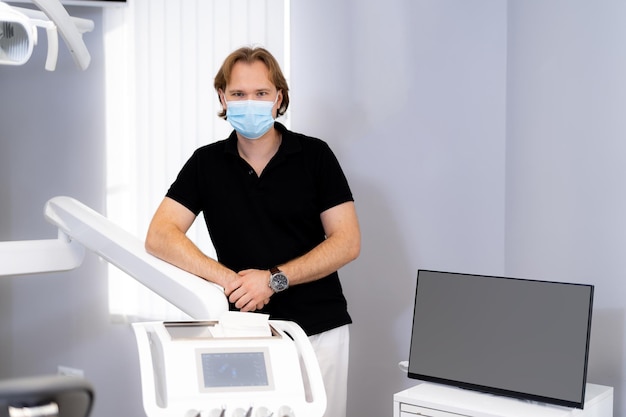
(278, 280)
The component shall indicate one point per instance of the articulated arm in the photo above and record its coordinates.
(81, 227)
(35, 256)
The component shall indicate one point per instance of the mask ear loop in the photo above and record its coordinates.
(276, 101)
(223, 102)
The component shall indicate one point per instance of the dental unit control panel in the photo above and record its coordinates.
(189, 371)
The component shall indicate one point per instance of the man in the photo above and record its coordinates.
(279, 212)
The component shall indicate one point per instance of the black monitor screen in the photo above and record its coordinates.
(516, 337)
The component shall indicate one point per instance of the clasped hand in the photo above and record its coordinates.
(250, 291)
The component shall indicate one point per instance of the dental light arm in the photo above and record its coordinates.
(81, 227)
(72, 37)
(18, 33)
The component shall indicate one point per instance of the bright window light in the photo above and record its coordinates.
(161, 57)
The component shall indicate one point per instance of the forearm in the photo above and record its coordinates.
(252, 290)
(342, 245)
(173, 246)
(326, 258)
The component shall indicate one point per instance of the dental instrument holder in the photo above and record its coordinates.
(80, 227)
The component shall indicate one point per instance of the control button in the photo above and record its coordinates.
(263, 412)
(286, 411)
(239, 412)
(216, 412)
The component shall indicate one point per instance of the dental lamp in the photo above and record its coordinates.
(18, 33)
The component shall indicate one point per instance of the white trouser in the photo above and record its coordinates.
(332, 350)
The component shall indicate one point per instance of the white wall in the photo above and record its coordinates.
(566, 160)
(411, 96)
(479, 136)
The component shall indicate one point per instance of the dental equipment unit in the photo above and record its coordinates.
(221, 364)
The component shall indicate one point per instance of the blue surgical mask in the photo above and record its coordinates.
(250, 118)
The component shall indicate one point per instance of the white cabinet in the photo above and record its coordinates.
(433, 400)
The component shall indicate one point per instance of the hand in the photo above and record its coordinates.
(250, 291)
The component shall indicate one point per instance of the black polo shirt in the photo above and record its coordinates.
(263, 221)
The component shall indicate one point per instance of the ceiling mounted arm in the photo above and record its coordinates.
(69, 30)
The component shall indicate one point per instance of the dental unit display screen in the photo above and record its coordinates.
(234, 370)
(521, 338)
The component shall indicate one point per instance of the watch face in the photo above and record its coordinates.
(279, 282)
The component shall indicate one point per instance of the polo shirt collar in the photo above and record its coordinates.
(290, 143)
